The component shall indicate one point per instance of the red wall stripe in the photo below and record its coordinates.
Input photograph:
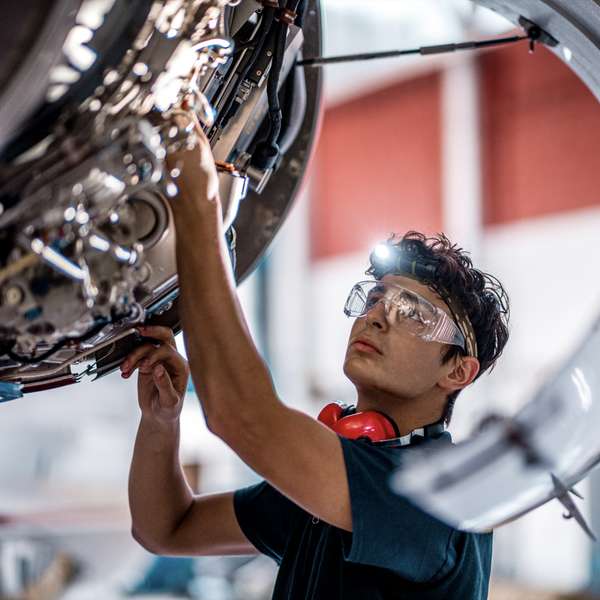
(541, 136)
(377, 168)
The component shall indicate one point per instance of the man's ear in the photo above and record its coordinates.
(461, 375)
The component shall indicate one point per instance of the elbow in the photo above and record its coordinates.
(216, 422)
(236, 404)
(151, 546)
(225, 421)
(221, 426)
(246, 432)
(237, 430)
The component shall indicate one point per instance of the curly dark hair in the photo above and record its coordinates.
(479, 294)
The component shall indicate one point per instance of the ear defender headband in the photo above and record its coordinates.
(392, 259)
(372, 425)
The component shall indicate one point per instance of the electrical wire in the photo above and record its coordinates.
(32, 360)
(268, 19)
(423, 51)
(267, 152)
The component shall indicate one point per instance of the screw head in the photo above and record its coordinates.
(13, 295)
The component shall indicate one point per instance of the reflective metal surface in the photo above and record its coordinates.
(86, 233)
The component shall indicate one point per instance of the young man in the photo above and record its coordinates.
(426, 327)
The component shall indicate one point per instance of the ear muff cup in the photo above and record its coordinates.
(348, 423)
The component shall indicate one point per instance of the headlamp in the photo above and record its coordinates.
(389, 258)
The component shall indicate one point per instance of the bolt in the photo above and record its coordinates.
(13, 295)
(144, 273)
(163, 309)
(294, 167)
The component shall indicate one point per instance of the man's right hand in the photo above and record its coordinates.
(163, 375)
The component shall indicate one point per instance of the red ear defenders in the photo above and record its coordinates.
(348, 423)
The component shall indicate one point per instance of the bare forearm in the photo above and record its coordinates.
(159, 495)
(228, 371)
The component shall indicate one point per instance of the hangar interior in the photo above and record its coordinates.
(498, 148)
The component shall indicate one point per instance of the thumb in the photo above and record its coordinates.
(166, 392)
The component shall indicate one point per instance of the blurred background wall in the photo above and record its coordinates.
(498, 149)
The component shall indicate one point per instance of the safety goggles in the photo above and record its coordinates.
(406, 308)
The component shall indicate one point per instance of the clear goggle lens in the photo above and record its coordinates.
(405, 307)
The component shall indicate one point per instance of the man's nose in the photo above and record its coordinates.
(376, 316)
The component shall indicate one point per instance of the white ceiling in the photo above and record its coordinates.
(353, 26)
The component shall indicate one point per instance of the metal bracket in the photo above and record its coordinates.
(562, 493)
(536, 34)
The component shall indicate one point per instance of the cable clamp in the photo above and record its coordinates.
(536, 34)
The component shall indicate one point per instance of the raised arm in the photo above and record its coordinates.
(296, 454)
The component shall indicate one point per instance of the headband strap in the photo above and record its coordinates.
(464, 324)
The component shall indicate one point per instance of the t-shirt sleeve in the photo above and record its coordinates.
(389, 531)
(265, 517)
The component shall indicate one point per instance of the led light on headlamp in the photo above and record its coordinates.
(382, 252)
(391, 258)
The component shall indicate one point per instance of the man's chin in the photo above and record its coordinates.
(359, 371)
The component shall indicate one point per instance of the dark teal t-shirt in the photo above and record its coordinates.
(395, 551)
